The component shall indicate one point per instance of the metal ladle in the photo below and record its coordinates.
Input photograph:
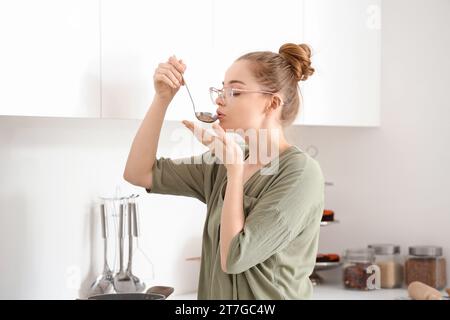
(122, 281)
(133, 231)
(104, 283)
(207, 117)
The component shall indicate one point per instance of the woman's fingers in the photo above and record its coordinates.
(219, 131)
(177, 64)
(228, 151)
(184, 69)
(168, 78)
(173, 70)
(160, 76)
(201, 134)
(169, 72)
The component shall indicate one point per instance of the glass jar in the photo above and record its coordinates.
(426, 264)
(390, 262)
(358, 268)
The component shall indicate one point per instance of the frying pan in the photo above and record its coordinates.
(154, 293)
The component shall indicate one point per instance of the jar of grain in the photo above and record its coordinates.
(426, 264)
(359, 269)
(390, 262)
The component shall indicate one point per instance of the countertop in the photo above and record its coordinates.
(332, 292)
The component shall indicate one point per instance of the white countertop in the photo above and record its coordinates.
(332, 292)
(338, 292)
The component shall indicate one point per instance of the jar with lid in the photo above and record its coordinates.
(426, 264)
(359, 269)
(390, 262)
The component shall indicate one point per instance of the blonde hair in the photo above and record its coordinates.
(281, 72)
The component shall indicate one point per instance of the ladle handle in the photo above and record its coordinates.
(190, 96)
(121, 213)
(135, 220)
(130, 235)
(103, 220)
(121, 222)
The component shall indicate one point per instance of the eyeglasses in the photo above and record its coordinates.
(227, 94)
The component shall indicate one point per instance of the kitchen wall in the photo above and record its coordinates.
(52, 172)
(390, 183)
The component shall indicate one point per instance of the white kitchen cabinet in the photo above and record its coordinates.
(137, 35)
(49, 58)
(345, 38)
(253, 25)
(97, 58)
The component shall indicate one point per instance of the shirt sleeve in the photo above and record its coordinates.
(181, 177)
(280, 215)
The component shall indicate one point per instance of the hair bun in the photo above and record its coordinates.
(299, 57)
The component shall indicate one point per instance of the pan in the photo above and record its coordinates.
(154, 293)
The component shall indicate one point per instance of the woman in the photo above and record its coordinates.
(261, 231)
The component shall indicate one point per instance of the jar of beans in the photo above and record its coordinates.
(426, 264)
(359, 269)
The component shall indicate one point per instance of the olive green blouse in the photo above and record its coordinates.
(274, 255)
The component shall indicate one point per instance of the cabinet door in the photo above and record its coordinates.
(49, 58)
(253, 25)
(345, 38)
(137, 35)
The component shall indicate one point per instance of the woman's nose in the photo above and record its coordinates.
(220, 101)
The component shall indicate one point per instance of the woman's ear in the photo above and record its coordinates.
(274, 102)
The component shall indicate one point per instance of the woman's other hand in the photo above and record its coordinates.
(224, 147)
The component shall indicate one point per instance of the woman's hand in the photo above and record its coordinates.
(223, 146)
(168, 78)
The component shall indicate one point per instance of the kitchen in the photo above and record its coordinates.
(385, 163)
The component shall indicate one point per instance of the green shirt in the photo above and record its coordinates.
(274, 255)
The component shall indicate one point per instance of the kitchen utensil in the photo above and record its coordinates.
(132, 230)
(128, 296)
(165, 291)
(145, 267)
(153, 293)
(420, 291)
(122, 282)
(104, 283)
(207, 117)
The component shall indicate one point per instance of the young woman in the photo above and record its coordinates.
(262, 225)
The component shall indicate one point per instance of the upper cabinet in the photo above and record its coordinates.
(240, 27)
(49, 58)
(344, 35)
(345, 38)
(137, 35)
(89, 58)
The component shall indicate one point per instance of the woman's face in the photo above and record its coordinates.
(244, 110)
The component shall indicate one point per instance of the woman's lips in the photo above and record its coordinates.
(220, 115)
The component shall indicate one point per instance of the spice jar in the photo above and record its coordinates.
(426, 264)
(390, 262)
(358, 265)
